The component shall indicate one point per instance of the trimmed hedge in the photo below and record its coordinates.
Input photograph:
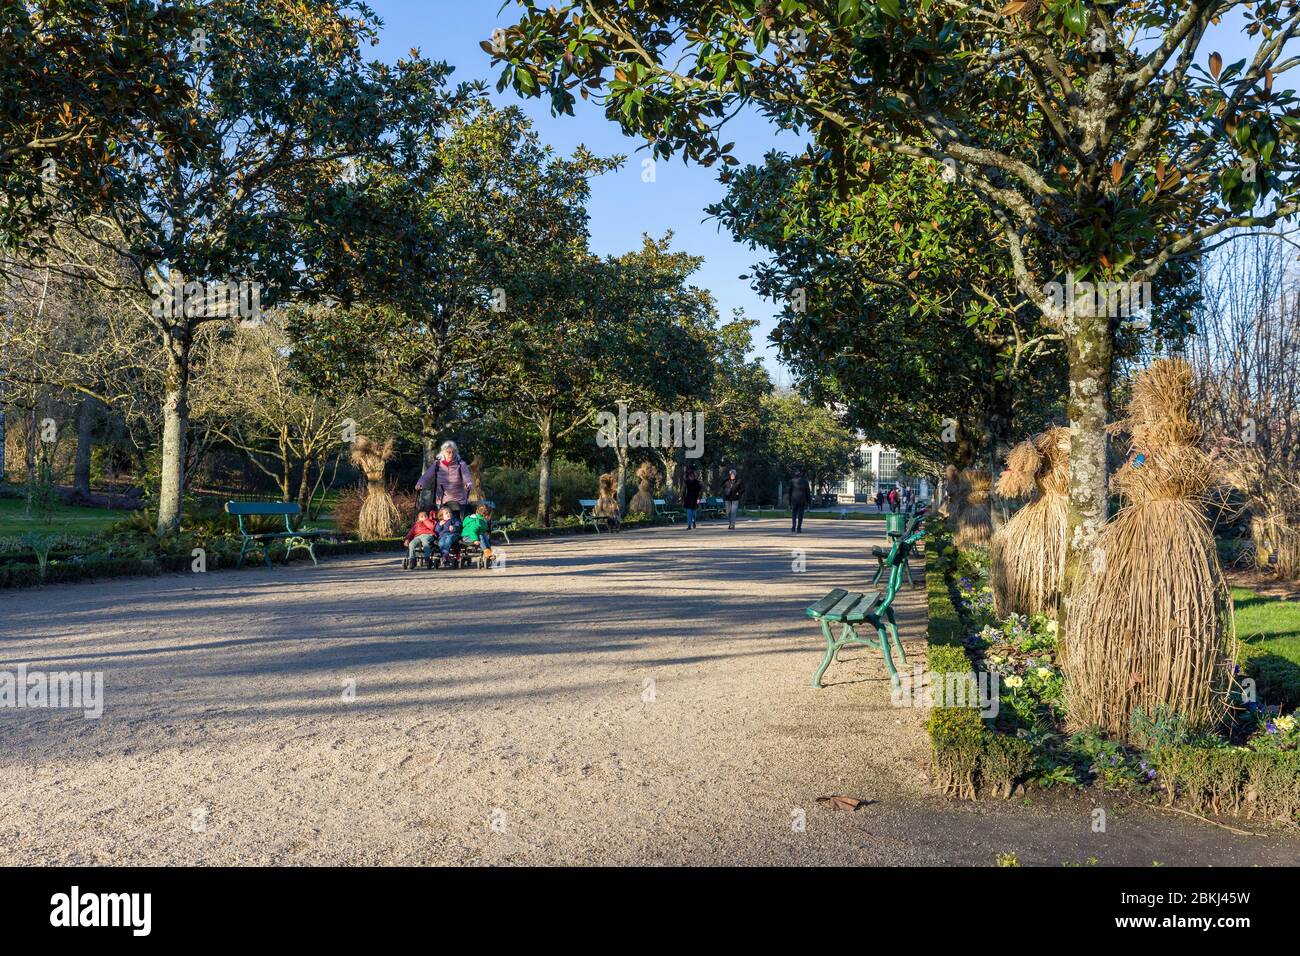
(1231, 781)
(967, 757)
(22, 571)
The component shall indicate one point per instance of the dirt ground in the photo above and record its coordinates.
(617, 699)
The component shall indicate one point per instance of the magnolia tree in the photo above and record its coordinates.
(279, 98)
(1109, 141)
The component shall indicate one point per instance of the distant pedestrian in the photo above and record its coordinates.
(800, 495)
(691, 491)
(908, 500)
(732, 489)
(893, 500)
(880, 501)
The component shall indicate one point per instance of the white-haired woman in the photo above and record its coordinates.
(449, 478)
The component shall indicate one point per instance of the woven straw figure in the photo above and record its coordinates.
(1027, 554)
(1149, 625)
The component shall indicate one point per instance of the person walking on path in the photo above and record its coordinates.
(800, 495)
(732, 489)
(880, 501)
(450, 479)
(909, 499)
(691, 490)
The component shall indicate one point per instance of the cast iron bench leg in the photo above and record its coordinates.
(832, 646)
(883, 637)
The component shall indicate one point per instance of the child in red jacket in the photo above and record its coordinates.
(420, 536)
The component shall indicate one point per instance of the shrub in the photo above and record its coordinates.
(1004, 761)
(515, 489)
(956, 739)
(347, 507)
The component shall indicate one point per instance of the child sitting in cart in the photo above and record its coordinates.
(478, 530)
(448, 532)
(419, 537)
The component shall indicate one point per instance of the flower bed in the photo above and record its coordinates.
(1251, 768)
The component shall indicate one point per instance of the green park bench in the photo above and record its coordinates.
(852, 609)
(293, 539)
(897, 528)
(501, 526)
(587, 515)
(712, 508)
(663, 511)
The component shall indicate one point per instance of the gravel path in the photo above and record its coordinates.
(635, 698)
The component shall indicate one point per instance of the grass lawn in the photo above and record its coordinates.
(1269, 631)
(819, 513)
(63, 519)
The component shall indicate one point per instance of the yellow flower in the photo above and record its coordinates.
(1044, 672)
(1285, 724)
(1051, 627)
(1013, 681)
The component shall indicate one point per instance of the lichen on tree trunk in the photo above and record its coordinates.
(176, 415)
(1089, 352)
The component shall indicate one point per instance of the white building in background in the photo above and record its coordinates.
(880, 470)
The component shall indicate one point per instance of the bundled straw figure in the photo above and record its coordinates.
(379, 517)
(643, 502)
(1027, 554)
(607, 502)
(1149, 626)
(968, 506)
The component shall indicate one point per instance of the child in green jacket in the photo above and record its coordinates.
(478, 527)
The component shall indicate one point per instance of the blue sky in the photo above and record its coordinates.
(623, 207)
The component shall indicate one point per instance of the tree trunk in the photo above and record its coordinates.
(428, 440)
(86, 415)
(176, 420)
(1089, 351)
(3, 438)
(669, 458)
(31, 456)
(621, 452)
(304, 485)
(545, 453)
(997, 437)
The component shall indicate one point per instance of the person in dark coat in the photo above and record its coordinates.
(800, 495)
(880, 500)
(691, 491)
(732, 489)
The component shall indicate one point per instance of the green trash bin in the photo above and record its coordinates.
(895, 524)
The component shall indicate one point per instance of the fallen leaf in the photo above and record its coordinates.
(838, 802)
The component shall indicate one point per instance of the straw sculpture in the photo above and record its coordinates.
(1027, 554)
(1150, 619)
(643, 502)
(968, 508)
(379, 517)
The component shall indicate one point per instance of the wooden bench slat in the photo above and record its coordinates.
(826, 603)
(843, 611)
(262, 508)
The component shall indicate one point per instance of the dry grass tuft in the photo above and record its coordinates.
(968, 508)
(379, 517)
(1150, 619)
(1027, 554)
